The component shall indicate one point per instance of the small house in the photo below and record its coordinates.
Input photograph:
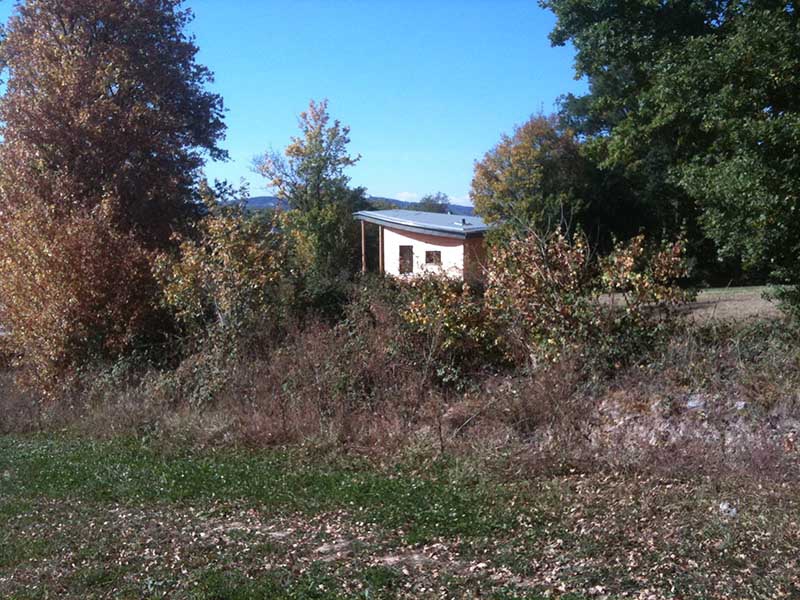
(415, 242)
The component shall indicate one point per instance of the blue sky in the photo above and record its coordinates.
(426, 86)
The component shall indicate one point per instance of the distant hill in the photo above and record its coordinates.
(376, 202)
(263, 203)
(379, 202)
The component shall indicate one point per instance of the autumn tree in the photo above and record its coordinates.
(544, 177)
(309, 176)
(534, 178)
(435, 203)
(105, 124)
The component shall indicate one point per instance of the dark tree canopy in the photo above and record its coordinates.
(541, 178)
(438, 202)
(698, 105)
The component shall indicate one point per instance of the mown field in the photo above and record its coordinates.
(127, 519)
(746, 302)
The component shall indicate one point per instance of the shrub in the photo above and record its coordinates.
(351, 383)
(75, 289)
(450, 331)
(323, 254)
(646, 280)
(555, 297)
(645, 293)
(18, 408)
(229, 279)
(788, 297)
(543, 289)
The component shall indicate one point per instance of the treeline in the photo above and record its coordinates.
(114, 250)
(691, 127)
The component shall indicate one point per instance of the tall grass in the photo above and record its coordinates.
(719, 397)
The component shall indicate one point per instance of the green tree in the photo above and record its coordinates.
(698, 104)
(105, 122)
(435, 203)
(740, 89)
(310, 173)
(310, 177)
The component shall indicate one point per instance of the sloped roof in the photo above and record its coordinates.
(444, 225)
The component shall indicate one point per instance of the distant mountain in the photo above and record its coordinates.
(376, 202)
(379, 203)
(263, 203)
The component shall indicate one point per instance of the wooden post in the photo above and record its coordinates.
(380, 249)
(363, 248)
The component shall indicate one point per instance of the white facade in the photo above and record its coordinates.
(450, 251)
(418, 243)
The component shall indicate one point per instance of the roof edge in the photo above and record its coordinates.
(371, 217)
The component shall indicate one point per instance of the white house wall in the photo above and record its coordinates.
(452, 250)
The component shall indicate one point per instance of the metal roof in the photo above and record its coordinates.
(457, 226)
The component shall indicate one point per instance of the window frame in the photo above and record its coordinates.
(406, 265)
(437, 255)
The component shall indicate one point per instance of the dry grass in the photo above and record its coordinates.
(733, 303)
(722, 397)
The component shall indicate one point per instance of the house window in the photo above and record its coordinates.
(406, 259)
(433, 257)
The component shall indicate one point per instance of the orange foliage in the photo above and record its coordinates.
(72, 288)
(104, 120)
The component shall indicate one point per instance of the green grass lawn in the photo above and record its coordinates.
(82, 519)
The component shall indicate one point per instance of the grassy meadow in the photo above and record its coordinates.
(132, 519)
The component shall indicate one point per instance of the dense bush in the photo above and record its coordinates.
(230, 278)
(75, 289)
(324, 243)
(645, 292)
(554, 297)
(450, 333)
(544, 289)
(788, 297)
